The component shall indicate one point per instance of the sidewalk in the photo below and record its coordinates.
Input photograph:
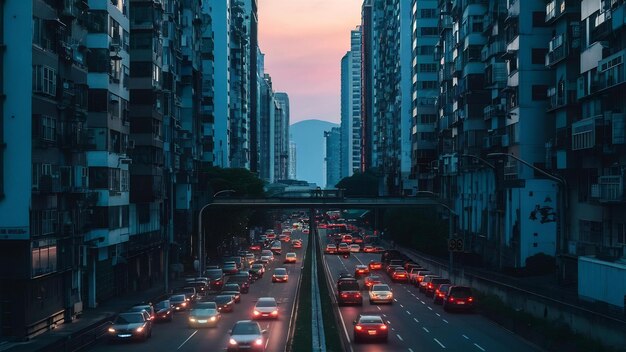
(84, 328)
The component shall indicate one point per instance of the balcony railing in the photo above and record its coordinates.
(491, 111)
(609, 189)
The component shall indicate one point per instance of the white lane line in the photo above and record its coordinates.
(467, 338)
(378, 308)
(388, 322)
(438, 314)
(184, 342)
(399, 337)
(480, 348)
(385, 315)
(417, 321)
(410, 350)
(425, 329)
(440, 344)
(445, 321)
(401, 306)
(424, 303)
(430, 308)
(395, 300)
(407, 312)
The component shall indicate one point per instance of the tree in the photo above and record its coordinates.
(415, 228)
(360, 184)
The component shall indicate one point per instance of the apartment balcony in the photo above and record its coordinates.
(492, 49)
(602, 27)
(494, 111)
(610, 73)
(609, 189)
(584, 133)
(555, 9)
(558, 49)
(514, 10)
(560, 99)
(445, 23)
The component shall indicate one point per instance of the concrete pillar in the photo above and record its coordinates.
(91, 276)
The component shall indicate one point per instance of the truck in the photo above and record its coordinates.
(349, 292)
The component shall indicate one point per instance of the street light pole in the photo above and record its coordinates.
(201, 258)
(563, 199)
(450, 226)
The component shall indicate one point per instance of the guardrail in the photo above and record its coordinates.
(317, 330)
(294, 309)
(81, 339)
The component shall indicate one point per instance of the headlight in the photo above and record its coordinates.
(258, 342)
(256, 312)
(192, 320)
(139, 329)
(111, 330)
(184, 304)
(213, 318)
(275, 312)
(232, 341)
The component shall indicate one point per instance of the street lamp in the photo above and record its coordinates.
(563, 200)
(450, 222)
(200, 233)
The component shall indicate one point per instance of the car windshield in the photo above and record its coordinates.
(129, 318)
(222, 299)
(246, 329)
(266, 303)
(371, 320)
(461, 292)
(214, 273)
(206, 305)
(140, 308)
(179, 298)
(202, 311)
(280, 271)
(231, 287)
(343, 245)
(291, 255)
(266, 252)
(162, 305)
(257, 266)
(381, 288)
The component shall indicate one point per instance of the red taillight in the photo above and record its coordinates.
(430, 285)
(470, 299)
(358, 327)
(357, 294)
(344, 295)
(383, 327)
(451, 299)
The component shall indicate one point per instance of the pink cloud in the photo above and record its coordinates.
(304, 42)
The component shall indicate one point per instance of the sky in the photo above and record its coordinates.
(303, 42)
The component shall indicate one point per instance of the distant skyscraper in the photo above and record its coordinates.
(292, 160)
(350, 160)
(331, 159)
(282, 136)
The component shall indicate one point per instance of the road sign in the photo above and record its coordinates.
(455, 245)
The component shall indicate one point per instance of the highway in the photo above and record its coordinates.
(415, 323)
(177, 336)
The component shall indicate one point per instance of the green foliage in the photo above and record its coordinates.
(417, 228)
(360, 184)
(242, 181)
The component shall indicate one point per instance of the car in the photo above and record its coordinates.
(284, 237)
(144, 306)
(271, 236)
(390, 269)
(204, 314)
(230, 268)
(357, 239)
(265, 259)
(368, 327)
(257, 270)
(349, 292)
(343, 248)
(330, 249)
(225, 303)
(413, 274)
(163, 311)
(355, 248)
(276, 247)
(296, 244)
(267, 253)
(440, 293)
(361, 270)
(250, 258)
(265, 307)
(344, 275)
(131, 325)
(425, 281)
(372, 280)
(216, 278)
(280, 275)
(232, 289)
(420, 276)
(305, 231)
(180, 303)
(459, 298)
(290, 258)
(434, 284)
(375, 265)
(378, 249)
(255, 247)
(201, 286)
(188, 291)
(242, 278)
(380, 293)
(400, 275)
(347, 239)
(246, 335)
(368, 249)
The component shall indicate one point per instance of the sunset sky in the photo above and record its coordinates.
(303, 42)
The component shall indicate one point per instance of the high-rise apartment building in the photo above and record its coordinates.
(351, 127)
(292, 160)
(332, 156)
(281, 136)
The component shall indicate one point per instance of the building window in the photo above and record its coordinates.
(590, 231)
(428, 13)
(124, 181)
(428, 84)
(539, 56)
(44, 80)
(428, 67)
(539, 92)
(429, 31)
(428, 118)
(43, 257)
(43, 222)
(98, 177)
(426, 49)
(48, 128)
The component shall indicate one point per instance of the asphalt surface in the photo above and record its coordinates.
(415, 323)
(177, 336)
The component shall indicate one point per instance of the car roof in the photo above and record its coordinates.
(266, 299)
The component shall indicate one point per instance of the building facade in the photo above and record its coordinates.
(332, 156)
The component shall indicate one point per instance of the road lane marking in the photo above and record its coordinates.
(399, 337)
(410, 350)
(480, 348)
(184, 342)
(417, 321)
(395, 300)
(440, 344)
(401, 306)
(425, 329)
(467, 338)
(430, 308)
(388, 322)
(445, 321)
(392, 329)
(438, 314)
(407, 312)
(423, 302)
(378, 308)
(385, 315)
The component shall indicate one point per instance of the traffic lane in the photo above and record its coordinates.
(276, 335)
(451, 330)
(177, 336)
(336, 264)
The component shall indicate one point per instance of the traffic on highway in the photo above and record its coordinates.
(246, 301)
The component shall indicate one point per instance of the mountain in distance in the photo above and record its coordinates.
(308, 135)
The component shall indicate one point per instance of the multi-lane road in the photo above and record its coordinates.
(177, 336)
(415, 323)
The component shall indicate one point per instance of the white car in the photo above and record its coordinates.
(265, 307)
(381, 293)
(355, 248)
